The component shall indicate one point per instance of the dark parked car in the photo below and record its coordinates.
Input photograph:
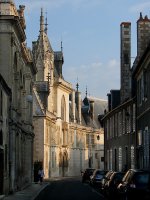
(135, 185)
(86, 174)
(96, 178)
(110, 187)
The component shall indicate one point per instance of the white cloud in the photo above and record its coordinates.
(99, 77)
(140, 7)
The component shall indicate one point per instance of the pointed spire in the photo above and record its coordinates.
(41, 21)
(86, 92)
(46, 24)
(141, 17)
(61, 46)
(77, 85)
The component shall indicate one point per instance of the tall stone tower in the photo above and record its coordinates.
(125, 61)
(143, 34)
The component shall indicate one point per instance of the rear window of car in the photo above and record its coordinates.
(142, 178)
(89, 171)
(100, 172)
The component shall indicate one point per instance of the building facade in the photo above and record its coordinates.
(64, 143)
(126, 125)
(5, 102)
(141, 76)
(16, 68)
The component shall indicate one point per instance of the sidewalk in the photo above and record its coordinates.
(30, 193)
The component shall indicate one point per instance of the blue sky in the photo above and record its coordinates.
(90, 31)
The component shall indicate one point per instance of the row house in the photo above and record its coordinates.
(119, 137)
(17, 70)
(141, 77)
(126, 124)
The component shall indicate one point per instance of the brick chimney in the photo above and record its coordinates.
(125, 71)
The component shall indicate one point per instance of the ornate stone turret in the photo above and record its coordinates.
(78, 102)
(7, 7)
(41, 21)
(21, 15)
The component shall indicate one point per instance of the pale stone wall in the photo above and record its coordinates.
(38, 123)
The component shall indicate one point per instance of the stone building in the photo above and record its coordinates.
(63, 144)
(5, 102)
(17, 70)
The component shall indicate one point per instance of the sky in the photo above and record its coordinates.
(90, 33)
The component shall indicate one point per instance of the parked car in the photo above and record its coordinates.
(105, 179)
(86, 174)
(110, 187)
(96, 177)
(135, 185)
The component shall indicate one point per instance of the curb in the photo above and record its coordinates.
(35, 196)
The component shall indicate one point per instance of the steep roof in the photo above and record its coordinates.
(91, 118)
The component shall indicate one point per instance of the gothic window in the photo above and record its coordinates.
(53, 160)
(63, 109)
(92, 139)
(46, 160)
(64, 137)
(87, 139)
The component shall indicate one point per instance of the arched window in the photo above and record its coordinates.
(63, 109)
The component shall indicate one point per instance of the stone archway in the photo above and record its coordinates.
(63, 163)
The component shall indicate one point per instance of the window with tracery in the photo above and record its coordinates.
(63, 109)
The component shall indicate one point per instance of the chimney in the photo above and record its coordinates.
(125, 71)
(143, 34)
(92, 109)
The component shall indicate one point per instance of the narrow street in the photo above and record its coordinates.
(69, 189)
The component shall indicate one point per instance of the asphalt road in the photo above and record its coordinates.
(69, 189)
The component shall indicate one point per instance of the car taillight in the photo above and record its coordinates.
(132, 185)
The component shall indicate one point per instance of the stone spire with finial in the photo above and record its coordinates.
(77, 85)
(61, 46)
(41, 21)
(86, 92)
